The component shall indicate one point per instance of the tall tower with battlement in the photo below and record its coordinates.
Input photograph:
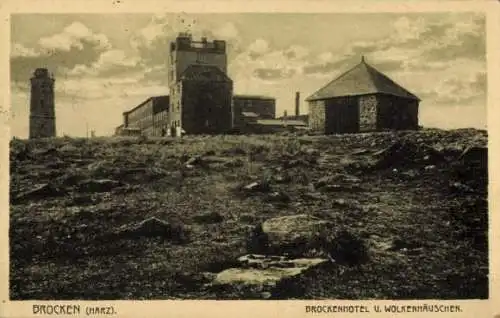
(200, 90)
(185, 51)
(42, 107)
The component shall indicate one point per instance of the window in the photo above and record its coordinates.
(200, 57)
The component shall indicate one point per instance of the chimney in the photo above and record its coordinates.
(297, 104)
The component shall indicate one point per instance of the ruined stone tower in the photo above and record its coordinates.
(42, 109)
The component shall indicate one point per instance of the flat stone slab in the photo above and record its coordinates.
(267, 271)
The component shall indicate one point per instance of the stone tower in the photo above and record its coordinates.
(42, 108)
(192, 66)
(184, 51)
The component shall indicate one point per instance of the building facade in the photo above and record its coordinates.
(362, 99)
(202, 101)
(42, 105)
(249, 108)
(200, 90)
(150, 117)
(200, 97)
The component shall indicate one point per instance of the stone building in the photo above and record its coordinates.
(249, 108)
(200, 89)
(149, 116)
(42, 106)
(362, 99)
(201, 97)
(201, 101)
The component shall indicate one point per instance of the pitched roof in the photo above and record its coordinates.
(360, 80)
(198, 72)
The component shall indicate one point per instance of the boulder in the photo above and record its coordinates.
(407, 153)
(350, 188)
(307, 236)
(471, 168)
(98, 185)
(39, 191)
(46, 152)
(153, 227)
(208, 218)
(340, 178)
(278, 197)
(313, 196)
(264, 276)
(293, 235)
(475, 155)
(257, 186)
(191, 162)
(360, 152)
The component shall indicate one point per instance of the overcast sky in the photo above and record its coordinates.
(105, 64)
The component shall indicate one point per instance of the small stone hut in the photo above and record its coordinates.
(362, 99)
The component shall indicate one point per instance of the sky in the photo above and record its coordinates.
(105, 64)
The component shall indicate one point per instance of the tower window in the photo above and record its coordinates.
(201, 58)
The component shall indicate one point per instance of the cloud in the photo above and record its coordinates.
(267, 63)
(110, 63)
(75, 45)
(296, 52)
(416, 43)
(19, 50)
(442, 61)
(152, 41)
(271, 74)
(258, 48)
(226, 31)
(75, 35)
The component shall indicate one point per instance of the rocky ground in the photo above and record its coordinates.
(364, 216)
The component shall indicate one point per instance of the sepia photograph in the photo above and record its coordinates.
(248, 156)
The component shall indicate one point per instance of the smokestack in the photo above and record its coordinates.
(297, 104)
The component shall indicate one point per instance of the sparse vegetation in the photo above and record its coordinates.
(415, 227)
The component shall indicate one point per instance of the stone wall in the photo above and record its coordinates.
(397, 113)
(367, 112)
(42, 127)
(174, 110)
(161, 123)
(317, 115)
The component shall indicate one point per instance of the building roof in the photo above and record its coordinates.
(303, 117)
(249, 114)
(144, 102)
(260, 97)
(279, 122)
(197, 72)
(362, 79)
